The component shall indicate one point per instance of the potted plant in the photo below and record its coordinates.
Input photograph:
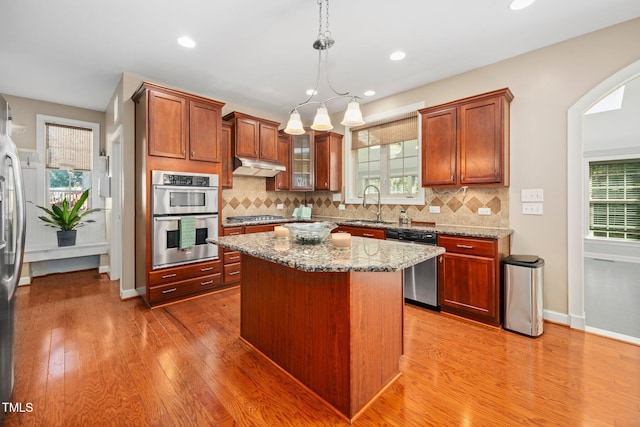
(67, 219)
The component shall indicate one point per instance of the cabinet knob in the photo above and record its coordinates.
(184, 152)
(452, 178)
(462, 177)
(193, 154)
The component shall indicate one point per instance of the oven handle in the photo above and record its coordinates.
(177, 218)
(180, 187)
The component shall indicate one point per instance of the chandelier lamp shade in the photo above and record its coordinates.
(322, 121)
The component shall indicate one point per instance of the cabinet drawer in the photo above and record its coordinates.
(176, 274)
(467, 245)
(233, 231)
(185, 287)
(372, 233)
(231, 257)
(232, 273)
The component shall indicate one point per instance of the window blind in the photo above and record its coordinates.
(388, 131)
(614, 199)
(68, 147)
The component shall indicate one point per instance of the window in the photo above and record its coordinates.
(386, 153)
(614, 199)
(70, 166)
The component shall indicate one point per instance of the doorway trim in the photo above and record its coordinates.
(575, 190)
(115, 252)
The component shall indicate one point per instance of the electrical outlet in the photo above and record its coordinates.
(484, 211)
(434, 209)
(280, 206)
(341, 207)
(337, 197)
(532, 209)
(535, 195)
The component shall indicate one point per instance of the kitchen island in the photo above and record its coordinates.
(333, 319)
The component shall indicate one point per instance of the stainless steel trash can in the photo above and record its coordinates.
(523, 282)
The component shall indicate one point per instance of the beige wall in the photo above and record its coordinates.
(545, 83)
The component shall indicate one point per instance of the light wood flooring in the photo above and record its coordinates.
(85, 358)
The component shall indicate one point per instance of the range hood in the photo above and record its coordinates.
(255, 167)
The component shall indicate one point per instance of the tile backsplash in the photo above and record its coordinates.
(457, 206)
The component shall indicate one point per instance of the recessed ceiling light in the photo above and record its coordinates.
(397, 56)
(186, 41)
(370, 93)
(311, 92)
(520, 4)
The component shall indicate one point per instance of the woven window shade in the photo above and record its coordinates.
(68, 147)
(388, 131)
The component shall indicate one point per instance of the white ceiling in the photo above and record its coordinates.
(259, 54)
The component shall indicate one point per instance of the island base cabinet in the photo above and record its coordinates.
(339, 334)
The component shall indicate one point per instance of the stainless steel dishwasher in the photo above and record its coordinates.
(420, 282)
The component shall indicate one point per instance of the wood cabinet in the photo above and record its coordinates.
(226, 177)
(180, 125)
(373, 233)
(302, 162)
(328, 161)
(470, 277)
(281, 181)
(170, 284)
(253, 137)
(231, 260)
(174, 131)
(466, 142)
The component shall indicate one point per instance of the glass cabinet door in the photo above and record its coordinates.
(302, 161)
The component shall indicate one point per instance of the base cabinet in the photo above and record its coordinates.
(173, 283)
(372, 233)
(470, 277)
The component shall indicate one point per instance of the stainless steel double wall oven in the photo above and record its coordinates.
(178, 195)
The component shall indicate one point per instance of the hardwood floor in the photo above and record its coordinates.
(85, 358)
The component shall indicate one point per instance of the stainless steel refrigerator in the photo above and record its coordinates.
(12, 224)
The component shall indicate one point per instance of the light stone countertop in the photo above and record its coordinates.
(364, 255)
(456, 230)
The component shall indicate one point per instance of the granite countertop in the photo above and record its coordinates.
(364, 255)
(457, 230)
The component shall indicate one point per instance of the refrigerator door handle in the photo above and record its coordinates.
(20, 223)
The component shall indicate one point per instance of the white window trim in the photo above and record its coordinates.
(351, 196)
(41, 119)
(586, 233)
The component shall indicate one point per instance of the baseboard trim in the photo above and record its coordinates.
(613, 335)
(554, 316)
(24, 281)
(104, 269)
(130, 293)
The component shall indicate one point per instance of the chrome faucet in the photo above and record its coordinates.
(364, 200)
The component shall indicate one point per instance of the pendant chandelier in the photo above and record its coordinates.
(352, 117)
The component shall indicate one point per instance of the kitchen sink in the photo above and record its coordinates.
(366, 221)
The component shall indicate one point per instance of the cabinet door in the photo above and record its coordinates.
(281, 180)
(439, 156)
(226, 180)
(481, 142)
(168, 124)
(268, 141)
(302, 162)
(321, 144)
(247, 137)
(204, 132)
(468, 285)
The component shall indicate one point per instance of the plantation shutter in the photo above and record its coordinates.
(614, 200)
(68, 147)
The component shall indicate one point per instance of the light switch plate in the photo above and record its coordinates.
(532, 195)
(341, 207)
(434, 209)
(484, 211)
(280, 206)
(532, 208)
(337, 197)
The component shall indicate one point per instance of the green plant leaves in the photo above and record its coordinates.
(65, 219)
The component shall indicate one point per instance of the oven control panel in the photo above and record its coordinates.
(184, 179)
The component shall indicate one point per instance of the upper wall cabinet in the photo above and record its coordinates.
(328, 170)
(180, 125)
(281, 181)
(466, 142)
(253, 137)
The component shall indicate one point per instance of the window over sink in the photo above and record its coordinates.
(385, 152)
